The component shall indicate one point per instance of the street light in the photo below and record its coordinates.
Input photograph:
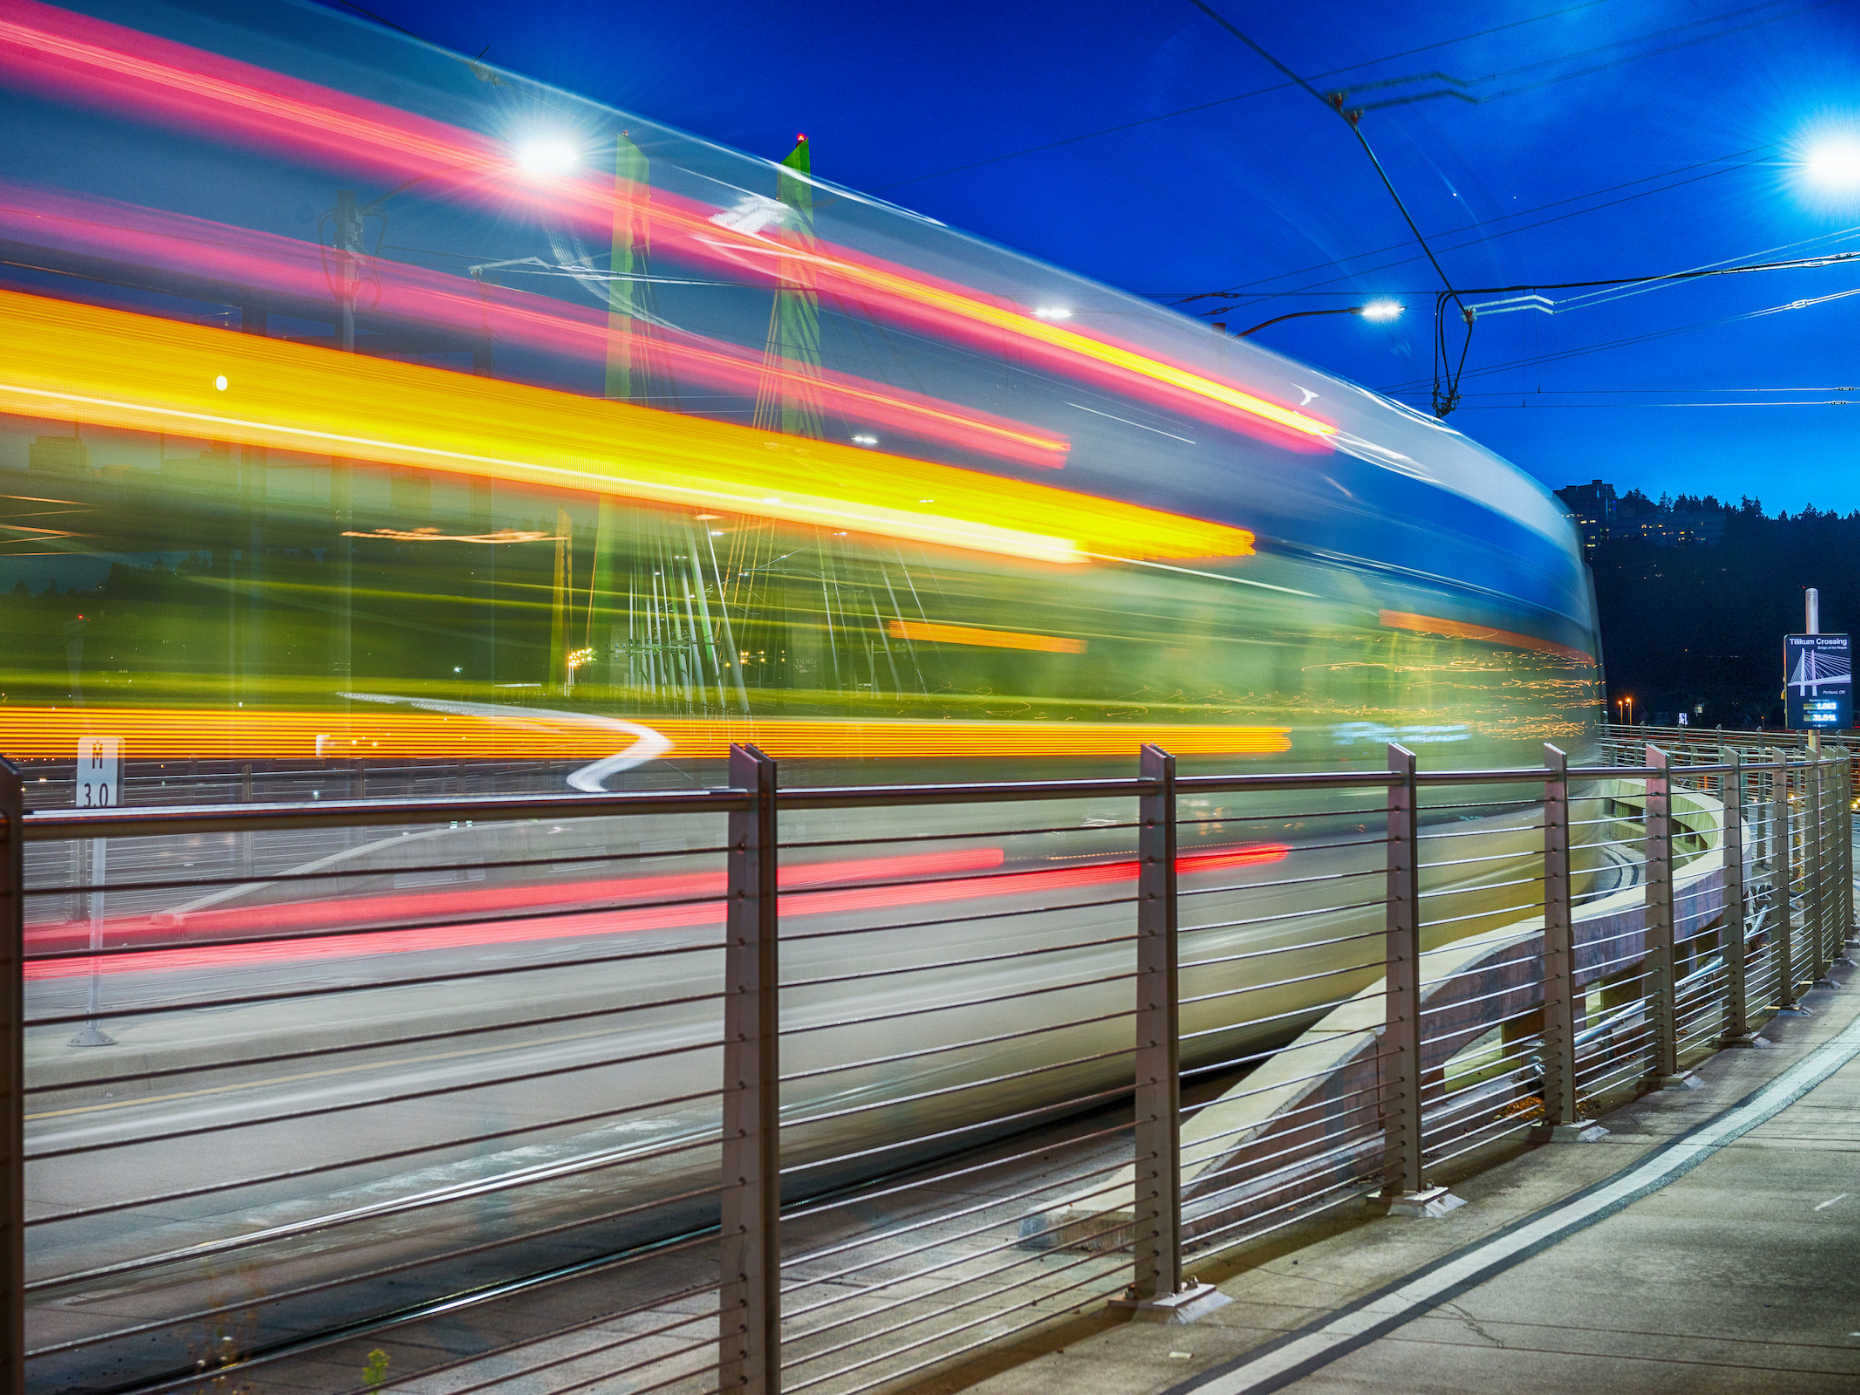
(1380, 311)
(1833, 163)
(542, 156)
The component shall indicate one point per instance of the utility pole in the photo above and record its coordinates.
(1813, 626)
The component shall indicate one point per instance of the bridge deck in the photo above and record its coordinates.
(1736, 1273)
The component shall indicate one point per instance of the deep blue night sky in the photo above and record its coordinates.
(1615, 138)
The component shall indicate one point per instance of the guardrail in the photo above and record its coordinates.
(817, 1089)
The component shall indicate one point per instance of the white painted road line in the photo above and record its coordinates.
(1297, 1354)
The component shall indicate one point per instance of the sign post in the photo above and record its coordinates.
(99, 786)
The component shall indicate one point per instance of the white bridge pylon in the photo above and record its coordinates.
(1815, 668)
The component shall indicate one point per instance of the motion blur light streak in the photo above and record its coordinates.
(309, 116)
(823, 901)
(1458, 629)
(987, 639)
(245, 921)
(31, 732)
(113, 368)
(178, 242)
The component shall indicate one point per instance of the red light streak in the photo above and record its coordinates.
(807, 895)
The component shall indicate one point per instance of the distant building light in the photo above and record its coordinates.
(863, 439)
(1052, 312)
(220, 382)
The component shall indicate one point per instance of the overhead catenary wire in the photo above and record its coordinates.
(1236, 97)
(1446, 379)
(1257, 290)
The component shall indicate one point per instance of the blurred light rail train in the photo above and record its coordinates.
(340, 429)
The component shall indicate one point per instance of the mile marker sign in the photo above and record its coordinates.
(99, 772)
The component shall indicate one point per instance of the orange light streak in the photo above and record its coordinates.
(113, 368)
(156, 733)
(933, 633)
(1459, 629)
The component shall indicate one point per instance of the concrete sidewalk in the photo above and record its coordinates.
(1624, 1265)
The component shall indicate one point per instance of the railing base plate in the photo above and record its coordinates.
(1746, 1040)
(1570, 1133)
(1686, 1080)
(1427, 1205)
(1195, 1301)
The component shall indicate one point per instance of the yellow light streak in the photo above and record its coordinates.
(157, 733)
(1015, 321)
(986, 639)
(114, 368)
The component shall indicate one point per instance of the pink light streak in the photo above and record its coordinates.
(807, 888)
(74, 56)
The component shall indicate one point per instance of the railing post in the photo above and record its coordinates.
(1401, 1039)
(1559, 957)
(1662, 972)
(1846, 817)
(1782, 856)
(1736, 965)
(749, 1300)
(12, 1082)
(1157, 1284)
(1815, 919)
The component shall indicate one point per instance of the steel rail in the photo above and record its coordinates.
(1005, 957)
(966, 1257)
(1316, 1012)
(92, 1082)
(239, 1184)
(1482, 915)
(962, 1003)
(948, 1356)
(1076, 1104)
(1367, 1097)
(1302, 945)
(382, 985)
(454, 921)
(942, 1091)
(887, 839)
(1299, 1208)
(445, 1196)
(968, 1045)
(973, 918)
(1255, 1057)
(261, 1121)
(1315, 879)
(941, 1241)
(411, 1313)
(1024, 1261)
(1291, 915)
(385, 1271)
(1282, 982)
(555, 1334)
(1290, 1174)
(916, 1180)
(1377, 1058)
(266, 879)
(794, 1387)
(161, 821)
(165, 1324)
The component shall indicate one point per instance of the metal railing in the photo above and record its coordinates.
(817, 1089)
